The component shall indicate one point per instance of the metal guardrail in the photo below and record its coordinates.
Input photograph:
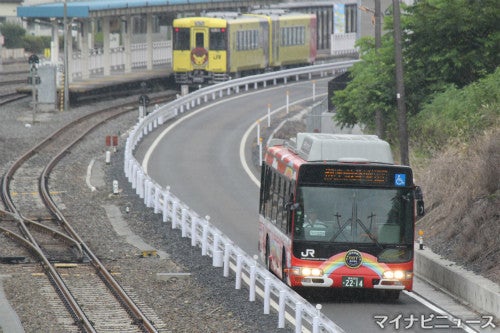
(203, 234)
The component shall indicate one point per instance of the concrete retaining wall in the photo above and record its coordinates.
(480, 293)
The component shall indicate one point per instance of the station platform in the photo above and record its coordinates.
(102, 81)
(116, 84)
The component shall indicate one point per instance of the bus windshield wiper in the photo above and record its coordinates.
(369, 234)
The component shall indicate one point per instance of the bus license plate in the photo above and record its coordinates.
(352, 282)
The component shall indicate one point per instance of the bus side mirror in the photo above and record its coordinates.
(290, 206)
(419, 198)
(420, 208)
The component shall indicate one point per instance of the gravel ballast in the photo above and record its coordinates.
(198, 300)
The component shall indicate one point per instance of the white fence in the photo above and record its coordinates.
(211, 240)
(162, 55)
(342, 44)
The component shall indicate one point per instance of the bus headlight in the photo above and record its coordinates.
(307, 271)
(399, 275)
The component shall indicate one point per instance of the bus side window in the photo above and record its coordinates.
(272, 204)
(281, 204)
(265, 190)
(277, 200)
(288, 212)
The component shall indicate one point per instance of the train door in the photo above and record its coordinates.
(199, 53)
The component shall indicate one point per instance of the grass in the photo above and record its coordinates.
(462, 197)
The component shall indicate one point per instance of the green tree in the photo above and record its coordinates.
(372, 87)
(454, 42)
(446, 43)
(13, 34)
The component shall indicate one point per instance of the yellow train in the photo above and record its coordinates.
(221, 46)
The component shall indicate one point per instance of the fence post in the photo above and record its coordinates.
(140, 184)
(166, 197)
(239, 267)
(184, 222)
(298, 317)
(227, 255)
(316, 319)
(216, 253)
(281, 311)
(147, 192)
(253, 269)
(134, 175)
(267, 295)
(194, 225)
(175, 207)
(287, 101)
(157, 199)
(268, 115)
(204, 237)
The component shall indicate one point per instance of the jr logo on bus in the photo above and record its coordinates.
(308, 253)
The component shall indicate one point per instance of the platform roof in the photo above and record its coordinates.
(99, 8)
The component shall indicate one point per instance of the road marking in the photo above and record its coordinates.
(439, 310)
(152, 147)
(247, 134)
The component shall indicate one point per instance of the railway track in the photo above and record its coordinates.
(10, 81)
(10, 97)
(94, 300)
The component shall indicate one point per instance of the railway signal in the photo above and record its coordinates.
(34, 79)
(143, 104)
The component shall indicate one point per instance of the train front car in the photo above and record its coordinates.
(199, 49)
(224, 45)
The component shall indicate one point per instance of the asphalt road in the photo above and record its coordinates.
(199, 158)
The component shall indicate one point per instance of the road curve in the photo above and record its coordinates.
(199, 159)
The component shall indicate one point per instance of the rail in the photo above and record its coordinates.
(203, 234)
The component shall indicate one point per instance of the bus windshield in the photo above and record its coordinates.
(354, 215)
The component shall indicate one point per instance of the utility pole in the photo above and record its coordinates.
(400, 87)
(66, 62)
(377, 22)
(379, 117)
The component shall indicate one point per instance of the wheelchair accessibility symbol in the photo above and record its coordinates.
(400, 179)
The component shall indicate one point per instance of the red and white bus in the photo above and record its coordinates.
(335, 212)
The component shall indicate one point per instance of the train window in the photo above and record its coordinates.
(200, 39)
(218, 39)
(247, 40)
(291, 36)
(181, 39)
(351, 18)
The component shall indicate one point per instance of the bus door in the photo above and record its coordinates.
(199, 53)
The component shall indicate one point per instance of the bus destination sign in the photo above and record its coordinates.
(370, 176)
(356, 175)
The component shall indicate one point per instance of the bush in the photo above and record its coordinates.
(13, 34)
(457, 114)
(36, 44)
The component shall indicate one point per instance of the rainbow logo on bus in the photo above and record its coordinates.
(343, 263)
